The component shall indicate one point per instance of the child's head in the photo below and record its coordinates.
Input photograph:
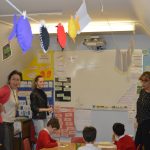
(53, 124)
(89, 134)
(118, 129)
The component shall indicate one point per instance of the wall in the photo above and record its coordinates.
(19, 60)
(141, 42)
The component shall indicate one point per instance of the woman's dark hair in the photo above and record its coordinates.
(118, 129)
(13, 73)
(54, 123)
(145, 74)
(89, 134)
(36, 80)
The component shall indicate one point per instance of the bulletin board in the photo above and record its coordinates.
(41, 64)
(94, 78)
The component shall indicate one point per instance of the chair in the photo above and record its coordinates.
(26, 144)
(1, 147)
(33, 138)
(77, 140)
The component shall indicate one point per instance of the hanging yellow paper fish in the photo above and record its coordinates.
(72, 31)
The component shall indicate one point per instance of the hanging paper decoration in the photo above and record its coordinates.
(44, 37)
(72, 28)
(77, 24)
(84, 18)
(123, 59)
(13, 32)
(22, 30)
(61, 35)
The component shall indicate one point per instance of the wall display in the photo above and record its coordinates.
(94, 78)
(6, 51)
(24, 96)
(146, 60)
(63, 89)
(42, 64)
(66, 119)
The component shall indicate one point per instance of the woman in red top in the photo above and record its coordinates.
(124, 142)
(44, 138)
(8, 106)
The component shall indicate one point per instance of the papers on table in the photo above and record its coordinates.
(106, 144)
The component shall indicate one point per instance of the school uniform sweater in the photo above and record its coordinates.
(125, 143)
(45, 140)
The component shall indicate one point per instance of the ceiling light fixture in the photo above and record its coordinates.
(97, 26)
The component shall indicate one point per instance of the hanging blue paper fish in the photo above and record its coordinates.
(22, 30)
(13, 32)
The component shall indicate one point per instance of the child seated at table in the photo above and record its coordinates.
(44, 138)
(89, 135)
(122, 141)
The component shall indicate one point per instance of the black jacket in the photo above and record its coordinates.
(38, 100)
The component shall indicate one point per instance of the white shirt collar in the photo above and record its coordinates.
(46, 130)
(121, 136)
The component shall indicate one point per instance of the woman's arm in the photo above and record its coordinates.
(34, 106)
(49, 109)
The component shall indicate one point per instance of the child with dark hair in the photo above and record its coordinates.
(44, 139)
(89, 135)
(124, 142)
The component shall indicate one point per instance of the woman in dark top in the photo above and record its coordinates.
(143, 113)
(39, 105)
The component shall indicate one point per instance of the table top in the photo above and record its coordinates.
(63, 146)
(73, 146)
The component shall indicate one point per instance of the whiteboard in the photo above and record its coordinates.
(94, 78)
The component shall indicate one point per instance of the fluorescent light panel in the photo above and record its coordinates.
(91, 27)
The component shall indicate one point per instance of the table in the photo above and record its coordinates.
(63, 146)
(72, 146)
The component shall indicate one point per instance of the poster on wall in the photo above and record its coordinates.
(63, 89)
(24, 96)
(41, 64)
(6, 52)
(66, 119)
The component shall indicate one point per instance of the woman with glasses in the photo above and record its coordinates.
(142, 137)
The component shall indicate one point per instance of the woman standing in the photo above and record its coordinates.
(8, 107)
(143, 113)
(39, 105)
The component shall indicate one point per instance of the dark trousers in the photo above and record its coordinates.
(8, 136)
(143, 135)
(1, 133)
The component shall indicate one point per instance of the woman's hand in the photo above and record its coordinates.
(50, 109)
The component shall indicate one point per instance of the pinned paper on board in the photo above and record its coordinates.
(6, 51)
(83, 16)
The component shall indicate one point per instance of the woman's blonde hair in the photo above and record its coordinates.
(35, 80)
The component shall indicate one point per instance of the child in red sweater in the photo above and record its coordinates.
(124, 142)
(44, 138)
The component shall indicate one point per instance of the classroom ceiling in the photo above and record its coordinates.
(60, 10)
